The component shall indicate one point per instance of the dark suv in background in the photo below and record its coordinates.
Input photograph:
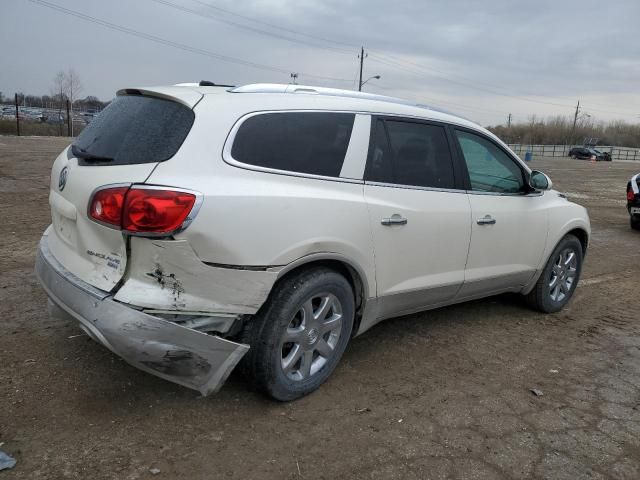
(585, 153)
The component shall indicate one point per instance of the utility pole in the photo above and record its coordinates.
(17, 116)
(509, 121)
(575, 120)
(69, 121)
(361, 62)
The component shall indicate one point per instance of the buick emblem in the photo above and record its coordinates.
(62, 179)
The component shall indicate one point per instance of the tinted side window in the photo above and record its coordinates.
(490, 169)
(411, 154)
(304, 142)
(380, 164)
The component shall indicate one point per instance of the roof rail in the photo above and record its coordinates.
(334, 92)
(208, 83)
(202, 83)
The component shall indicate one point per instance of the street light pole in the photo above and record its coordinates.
(377, 77)
(361, 62)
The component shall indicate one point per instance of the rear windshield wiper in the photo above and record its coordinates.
(82, 153)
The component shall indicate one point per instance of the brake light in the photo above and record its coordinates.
(106, 205)
(141, 210)
(630, 195)
(156, 211)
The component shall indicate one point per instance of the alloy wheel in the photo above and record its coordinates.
(563, 275)
(311, 336)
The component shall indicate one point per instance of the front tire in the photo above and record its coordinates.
(300, 333)
(560, 277)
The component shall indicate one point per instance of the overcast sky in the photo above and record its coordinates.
(481, 59)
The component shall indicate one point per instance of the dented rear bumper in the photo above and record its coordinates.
(162, 348)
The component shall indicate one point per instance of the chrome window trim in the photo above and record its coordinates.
(451, 190)
(413, 187)
(505, 194)
(228, 146)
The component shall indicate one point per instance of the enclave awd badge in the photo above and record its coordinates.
(62, 179)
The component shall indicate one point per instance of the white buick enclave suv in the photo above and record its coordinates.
(195, 227)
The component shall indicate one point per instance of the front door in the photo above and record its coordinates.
(509, 224)
(421, 224)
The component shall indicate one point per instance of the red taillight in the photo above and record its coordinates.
(106, 205)
(142, 210)
(630, 195)
(156, 211)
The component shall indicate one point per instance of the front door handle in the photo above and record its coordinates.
(486, 220)
(395, 219)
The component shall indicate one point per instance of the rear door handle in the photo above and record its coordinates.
(486, 220)
(395, 219)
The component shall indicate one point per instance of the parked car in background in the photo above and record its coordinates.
(585, 153)
(197, 226)
(633, 201)
(604, 156)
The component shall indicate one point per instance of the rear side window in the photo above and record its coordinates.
(134, 129)
(304, 142)
(411, 153)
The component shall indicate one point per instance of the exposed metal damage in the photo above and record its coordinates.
(151, 343)
(168, 275)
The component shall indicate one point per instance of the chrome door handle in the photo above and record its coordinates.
(486, 220)
(395, 219)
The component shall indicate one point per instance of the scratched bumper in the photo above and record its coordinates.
(162, 348)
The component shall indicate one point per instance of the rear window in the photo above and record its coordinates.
(134, 129)
(304, 142)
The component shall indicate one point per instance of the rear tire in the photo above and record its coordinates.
(299, 335)
(635, 223)
(560, 277)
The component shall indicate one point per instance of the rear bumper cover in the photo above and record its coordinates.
(178, 354)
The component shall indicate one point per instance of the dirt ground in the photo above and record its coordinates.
(443, 394)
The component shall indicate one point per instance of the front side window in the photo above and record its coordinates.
(410, 153)
(303, 142)
(490, 169)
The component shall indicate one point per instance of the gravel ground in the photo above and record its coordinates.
(443, 394)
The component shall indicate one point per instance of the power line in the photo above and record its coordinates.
(262, 22)
(388, 59)
(180, 46)
(401, 63)
(249, 28)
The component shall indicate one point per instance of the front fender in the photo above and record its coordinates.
(564, 217)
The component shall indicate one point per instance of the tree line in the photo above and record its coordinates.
(560, 130)
(66, 85)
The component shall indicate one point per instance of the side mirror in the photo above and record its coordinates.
(540, 181)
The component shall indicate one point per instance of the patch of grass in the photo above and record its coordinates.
(27, 128)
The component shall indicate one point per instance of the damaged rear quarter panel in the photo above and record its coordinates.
(167, 274)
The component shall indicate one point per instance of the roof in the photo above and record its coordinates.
(191, 93)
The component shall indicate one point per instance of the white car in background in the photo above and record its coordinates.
(198, 226)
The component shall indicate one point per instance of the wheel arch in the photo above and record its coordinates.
(354, 274)
(583, 237)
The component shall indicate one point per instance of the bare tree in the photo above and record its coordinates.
(73, 87)
(58, 94)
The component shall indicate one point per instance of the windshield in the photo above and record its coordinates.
(134, 129)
